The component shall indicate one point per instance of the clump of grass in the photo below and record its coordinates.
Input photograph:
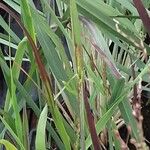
(86, 62)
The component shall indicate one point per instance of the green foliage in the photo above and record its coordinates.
(81, 55)
(41, 127)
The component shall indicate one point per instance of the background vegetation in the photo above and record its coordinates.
(74, 73)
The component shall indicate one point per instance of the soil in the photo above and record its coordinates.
(146, 115)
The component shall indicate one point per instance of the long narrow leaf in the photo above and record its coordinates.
(40, 143)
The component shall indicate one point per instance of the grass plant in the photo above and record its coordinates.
(86, 63)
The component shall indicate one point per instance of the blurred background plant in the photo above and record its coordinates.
(74, 74)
